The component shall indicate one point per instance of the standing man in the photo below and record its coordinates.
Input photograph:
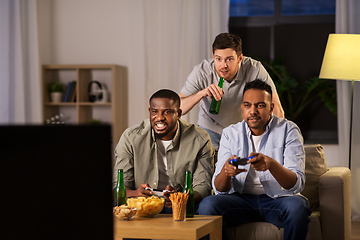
(268, 187)
(157, 153)
(202, 84)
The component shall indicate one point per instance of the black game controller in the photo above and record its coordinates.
(240, 161)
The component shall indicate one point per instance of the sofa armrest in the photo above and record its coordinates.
(335, 203)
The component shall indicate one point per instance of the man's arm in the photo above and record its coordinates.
(222, 181)
(278, 110)
(140, 192)
(188, 102)
(197, 196)
(286, 178)
(124, 159)
(203, 173)
(264, 75)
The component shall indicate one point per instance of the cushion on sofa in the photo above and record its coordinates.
(315, 166)
(255, 231)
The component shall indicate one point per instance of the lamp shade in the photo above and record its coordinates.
(342, 57)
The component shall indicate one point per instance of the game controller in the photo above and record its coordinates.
(240, 161)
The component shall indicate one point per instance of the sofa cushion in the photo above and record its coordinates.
(268, 231)
(256, 231)
(315, 166)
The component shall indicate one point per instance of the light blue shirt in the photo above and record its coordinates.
(282, 141)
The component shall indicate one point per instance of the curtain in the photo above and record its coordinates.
(158, 41)
(178, 35)
(20, 100)
(348, 21)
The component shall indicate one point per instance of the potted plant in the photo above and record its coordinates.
(56, 89)
(294, 95)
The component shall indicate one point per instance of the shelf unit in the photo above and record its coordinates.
(112, 77)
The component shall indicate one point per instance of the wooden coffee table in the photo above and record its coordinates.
(164, 227)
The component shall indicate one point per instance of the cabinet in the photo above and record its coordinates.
(112, 77)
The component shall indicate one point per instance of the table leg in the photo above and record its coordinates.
(216, 234)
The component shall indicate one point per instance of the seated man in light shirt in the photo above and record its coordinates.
(268, 187)
(157, 153)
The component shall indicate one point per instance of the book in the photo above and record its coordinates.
(73, 83)
(73, 97)
(67, 91)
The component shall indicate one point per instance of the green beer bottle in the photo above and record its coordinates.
(215, 105)
(120, 191)
(190, 204)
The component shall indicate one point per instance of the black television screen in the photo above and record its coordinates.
(55, 182)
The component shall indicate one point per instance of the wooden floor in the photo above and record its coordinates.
(355, 230)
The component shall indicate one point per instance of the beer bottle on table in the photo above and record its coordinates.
(190, 204)
(215, 105)
(120, 191)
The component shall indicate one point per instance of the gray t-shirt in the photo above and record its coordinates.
(204, 74)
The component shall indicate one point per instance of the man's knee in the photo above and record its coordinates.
(297, 208)
(208, 205)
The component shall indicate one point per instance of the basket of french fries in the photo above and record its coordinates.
(147, 206)
(178, 203)
(124, 212)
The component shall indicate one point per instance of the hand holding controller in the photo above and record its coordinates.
(240, 161)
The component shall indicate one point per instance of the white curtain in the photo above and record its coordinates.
(158, 41)
(179, 35)
(20, 100)
(348, 21)
(165, 39)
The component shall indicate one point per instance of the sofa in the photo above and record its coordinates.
(329, 194)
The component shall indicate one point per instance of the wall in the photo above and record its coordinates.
(92, 32)
(332, 154)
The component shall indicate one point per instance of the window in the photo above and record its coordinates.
(307, 7)
(297, 31)
(246, 8)
(242, 8)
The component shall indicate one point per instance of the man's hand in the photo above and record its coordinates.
(283, 176)
(188, 102)
(169, 189)
(140, 192)
(222, 181)
(230, 170)
(260, 162)
(213, 91)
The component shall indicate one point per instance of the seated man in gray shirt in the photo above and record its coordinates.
(157, 153)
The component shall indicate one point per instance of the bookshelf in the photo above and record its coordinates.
(112, 77)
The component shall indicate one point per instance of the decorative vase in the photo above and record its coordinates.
(56, 97)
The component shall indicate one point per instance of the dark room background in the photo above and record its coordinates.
(294, 32)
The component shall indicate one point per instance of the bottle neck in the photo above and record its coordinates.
(120, 181)
(221, 82)
(188, 184)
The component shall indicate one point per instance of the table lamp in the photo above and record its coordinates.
(342, 62)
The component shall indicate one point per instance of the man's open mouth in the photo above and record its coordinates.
(160, 126)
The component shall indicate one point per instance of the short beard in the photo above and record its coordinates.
(160, 136)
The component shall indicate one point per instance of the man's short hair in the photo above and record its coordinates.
(168, 94)
(227, 40)
(258, 84)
